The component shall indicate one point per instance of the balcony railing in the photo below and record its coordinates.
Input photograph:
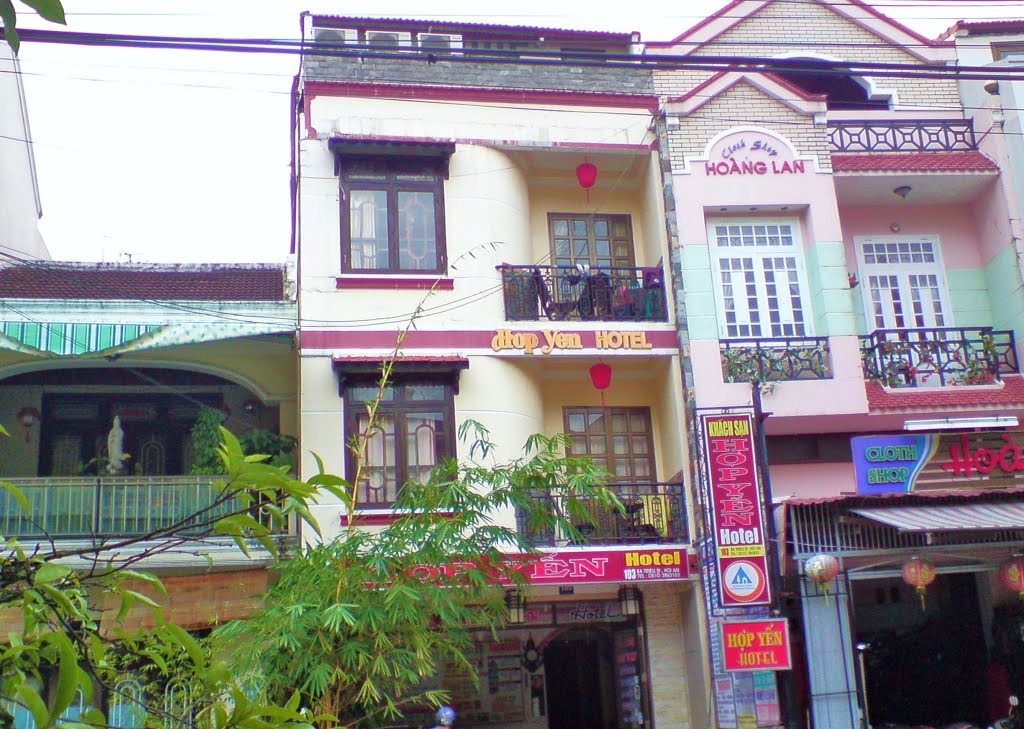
(109, 506)
(655, 514)
(938, 357)
(776, 359)
(596, 294)
(910, 136)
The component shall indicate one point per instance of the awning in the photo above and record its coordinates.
(65, 339)
(949, 518)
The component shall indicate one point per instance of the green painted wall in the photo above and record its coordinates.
(698, 293)
(1005, 293)
(829, 285)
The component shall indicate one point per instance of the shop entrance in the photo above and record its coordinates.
(922, 666)
(580, 680)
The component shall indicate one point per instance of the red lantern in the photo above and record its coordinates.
(601, 378)
(919, 574)
(1011, 574)
(586, 175)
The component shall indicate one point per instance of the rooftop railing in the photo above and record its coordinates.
(955, 135)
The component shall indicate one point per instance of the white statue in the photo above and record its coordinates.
(115, 447)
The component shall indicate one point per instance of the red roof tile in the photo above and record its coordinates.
(913, 162)
(164, 282)
(923, 398)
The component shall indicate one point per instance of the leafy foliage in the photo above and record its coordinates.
(56, 595)
(50, 10)
(205, 440)
(359, 625)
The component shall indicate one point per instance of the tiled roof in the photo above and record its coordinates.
(983, 27)
(913, 162)
(447, 26)
(163, 282)
(923, 398)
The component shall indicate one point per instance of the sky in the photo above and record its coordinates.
(167, 156)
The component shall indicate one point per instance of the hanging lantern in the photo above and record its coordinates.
(1011, 574)
(822, 569)
(601, 378)
(919, 574)
(586, 175)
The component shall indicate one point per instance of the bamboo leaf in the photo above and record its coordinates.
(50, 10)
(28, 696)
(67, 679)
(9, 18)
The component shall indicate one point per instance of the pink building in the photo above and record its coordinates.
(849, 264)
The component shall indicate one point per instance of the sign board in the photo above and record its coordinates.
(886, 464)
(755, 153)
(550, 340)
(756, 645)
(590, 566)
(730, 461)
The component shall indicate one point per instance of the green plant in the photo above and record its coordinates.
(206, 438)
(280, 448)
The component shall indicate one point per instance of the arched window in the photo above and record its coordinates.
(844, 91)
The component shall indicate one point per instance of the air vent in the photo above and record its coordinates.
(335, 36)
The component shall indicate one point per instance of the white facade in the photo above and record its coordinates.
(20, 205)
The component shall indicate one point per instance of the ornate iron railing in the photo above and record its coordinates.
(938, 357)
(911, 136)
(598, 294)
(655, 514)
(776, 359)
(111, 506)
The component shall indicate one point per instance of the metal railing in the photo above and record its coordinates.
(111, 506)
(938, 357)
(956, 135)
(776, 359)
(655, 514)
(598, 294)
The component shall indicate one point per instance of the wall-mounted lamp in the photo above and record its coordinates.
(902, 192)
(629, 600)
(251, 406)
(28, 418)
(515, 602)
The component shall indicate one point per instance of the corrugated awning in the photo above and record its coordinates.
(949, 518)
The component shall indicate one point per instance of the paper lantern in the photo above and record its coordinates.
(1011, 574)
(919, 574)
(586, 175)
(601, 378)
(822, 569)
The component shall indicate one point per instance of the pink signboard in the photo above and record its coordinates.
(576, 566)
(741, 558)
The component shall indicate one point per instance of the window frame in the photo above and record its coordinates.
(903, 270)
(392, 168)
(401, 407)
(611, 219)
(795, 250)
(610, 456)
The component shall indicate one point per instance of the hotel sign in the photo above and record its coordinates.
(741, 556)
(885, 464)
(756, 645)
(550, 340)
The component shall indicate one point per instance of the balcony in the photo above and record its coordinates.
(776, 359)
(555, 293)
(904, 358)
(114, 506)
(910, 136)
(655, 514)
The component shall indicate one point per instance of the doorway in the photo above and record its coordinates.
(580, 680)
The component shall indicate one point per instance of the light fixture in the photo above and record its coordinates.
(902, 191)
(28, 417)
(515, 602)
(629, 600)
(995, 421)
(895, 227)
(251, 406)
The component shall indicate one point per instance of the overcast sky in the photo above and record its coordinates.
(183, 155)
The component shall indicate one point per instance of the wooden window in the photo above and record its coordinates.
(392, 217)
(618, 439)
(413, 432)
(594, 241)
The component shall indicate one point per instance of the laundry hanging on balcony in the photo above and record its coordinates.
(73, 339)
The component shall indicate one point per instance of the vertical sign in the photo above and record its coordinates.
(737, 520)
